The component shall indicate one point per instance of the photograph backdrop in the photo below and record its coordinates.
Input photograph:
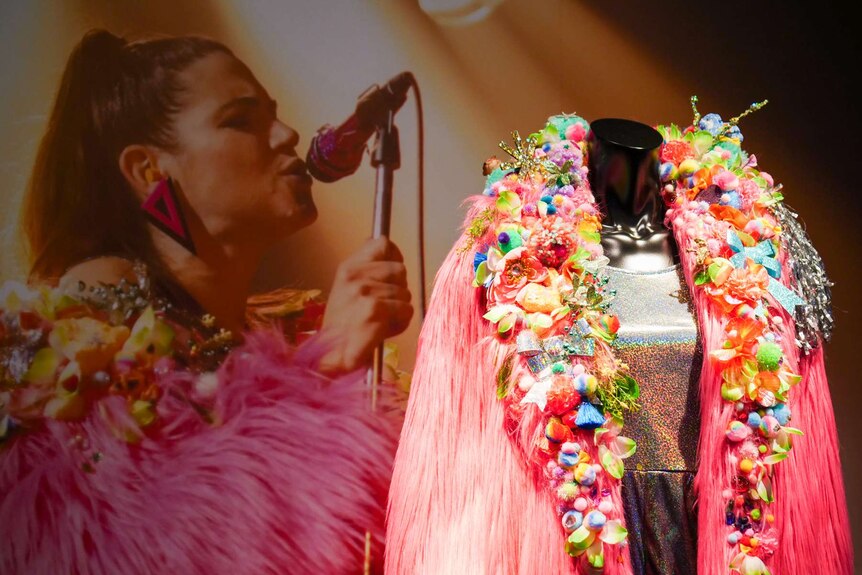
(524, 61)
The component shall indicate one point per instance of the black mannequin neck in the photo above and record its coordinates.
(624, 176)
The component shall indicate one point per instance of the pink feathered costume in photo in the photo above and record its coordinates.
(286, 477)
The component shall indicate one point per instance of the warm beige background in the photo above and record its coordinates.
(528, 60)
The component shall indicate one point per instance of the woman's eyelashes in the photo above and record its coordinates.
(238, 122)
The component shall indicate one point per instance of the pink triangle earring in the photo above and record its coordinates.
(162, 208)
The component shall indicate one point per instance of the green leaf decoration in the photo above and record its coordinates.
(593, 237)
(628, 386)
(595, 555)
(712, 271)
(507, 323)
(509, 202)
(701, 140)
(613, 532)
(482, 274)
(764, 489)
(580, 539)
(44, 366)
(671, 132)
(701, 278)
(504, 374)
(626, 446)
(775, 458)
(612, 464)
(497, 313)
(731, 393)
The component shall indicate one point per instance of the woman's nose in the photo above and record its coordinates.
(282, 137)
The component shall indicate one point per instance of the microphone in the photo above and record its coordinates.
(337, 152)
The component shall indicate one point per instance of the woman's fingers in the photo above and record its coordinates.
(384, 291)
(369, 302)
(378, 271)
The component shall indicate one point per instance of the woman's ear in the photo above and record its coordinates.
(139, 167)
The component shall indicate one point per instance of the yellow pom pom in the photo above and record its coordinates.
(746, 465)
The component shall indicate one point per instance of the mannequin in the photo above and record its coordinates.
(624, 176)
(658, 340)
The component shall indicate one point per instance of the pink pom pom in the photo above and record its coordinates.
(575, 132)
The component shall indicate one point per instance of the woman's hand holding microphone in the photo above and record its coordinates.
(368, 303)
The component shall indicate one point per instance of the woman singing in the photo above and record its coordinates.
(154, 417)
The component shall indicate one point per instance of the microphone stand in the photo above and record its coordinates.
(386, 158)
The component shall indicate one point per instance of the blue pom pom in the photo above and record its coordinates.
(712, 123)
(478, 259)
(782, 413)
(733, 199)
(572, 519)
(547, 199)
(551, 210)
(589, 417)
(734, 132)
(568, 459)
(754, 419)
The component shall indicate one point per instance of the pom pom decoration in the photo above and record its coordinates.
(586, 384)
(769, 356)
(556, 432)
(769, 426)
(595, 520)
(737, 431)
(782, 413)
(589, 417)
(572, 519)
(585, 474)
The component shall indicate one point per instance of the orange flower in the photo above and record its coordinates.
(740, 285)
(515, 270)
(90, 342)
(738, 356)
(729, 214)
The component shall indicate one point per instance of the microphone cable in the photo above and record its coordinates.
(420, 203)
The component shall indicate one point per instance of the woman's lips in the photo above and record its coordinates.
(295, 167)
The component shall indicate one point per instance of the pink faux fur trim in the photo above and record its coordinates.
(286, 482)
(463, 498)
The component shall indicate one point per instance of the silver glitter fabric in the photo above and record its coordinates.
(661, 516)
(814, 318)
(658, 339)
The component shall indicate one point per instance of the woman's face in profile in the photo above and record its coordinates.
(234, 160)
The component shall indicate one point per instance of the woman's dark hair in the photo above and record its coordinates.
(113, 93)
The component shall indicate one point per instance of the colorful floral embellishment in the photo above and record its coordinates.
(62, 352)
(727, 208)
(540, 267)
